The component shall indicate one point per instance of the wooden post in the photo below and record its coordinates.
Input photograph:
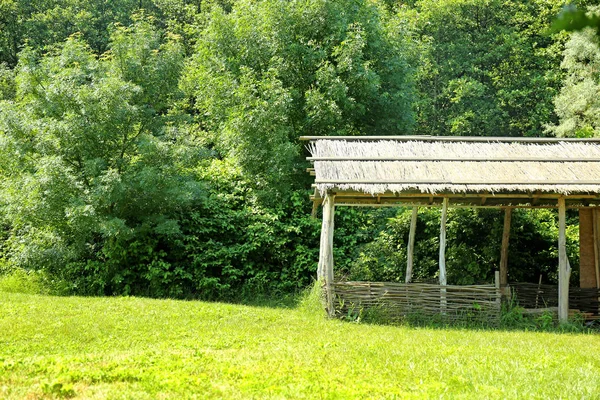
(443, 253)
(411, 245)
(325, 269)
(596, 229)
(504, 252)
(499, 293)
(443, 241)
(563, 270)
(588, 247)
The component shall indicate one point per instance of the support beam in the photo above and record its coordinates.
(588, 248)
(411, 245)
(597, 247)
(456, 159)
(316, 199)
(499, 293)
(325, 269)
(443, 241)
(563, 267)
(504, 252)
(443, 254)
(411, 204)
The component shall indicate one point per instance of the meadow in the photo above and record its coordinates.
(137, 348)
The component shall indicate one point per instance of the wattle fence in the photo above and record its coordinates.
(542, 296)
(401, 300)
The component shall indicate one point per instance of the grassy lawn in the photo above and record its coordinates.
(133, 348)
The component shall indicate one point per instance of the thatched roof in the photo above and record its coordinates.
(455, 165)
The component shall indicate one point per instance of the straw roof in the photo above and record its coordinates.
(434, 165)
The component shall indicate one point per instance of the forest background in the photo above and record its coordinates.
(151, 147)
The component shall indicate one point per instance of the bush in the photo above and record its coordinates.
(18, 280)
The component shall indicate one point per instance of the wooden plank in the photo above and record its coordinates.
(411, 244)
(500, 202)
(563, 273)
(427, 138)
(457, 159)
(415, 204)
(504, 252)
(491, 196)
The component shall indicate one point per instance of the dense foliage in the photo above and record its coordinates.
(490, 68)
(151, 147)
(578, 103)
(267, 73)
(94, 159)
(473, 252)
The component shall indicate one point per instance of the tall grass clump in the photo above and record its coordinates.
(312, 300)
(19, 280)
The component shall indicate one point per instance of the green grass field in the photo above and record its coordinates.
(133, 348)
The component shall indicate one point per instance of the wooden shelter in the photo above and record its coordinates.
(448, 172)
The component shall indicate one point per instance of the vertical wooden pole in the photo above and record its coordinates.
(596, 228)
(563, 271)
(443, 241)
(499, 293)
(443, 253)
(325, 269)
(504, 252)
(588, 247)
(411, 245)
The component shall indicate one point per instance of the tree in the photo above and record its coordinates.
(578, 104)
(271, 71)
(573, 19)
(44, 23)
(488, 67)
(95, 161)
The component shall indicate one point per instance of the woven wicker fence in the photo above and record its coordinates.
(532, 295)
(399, 300)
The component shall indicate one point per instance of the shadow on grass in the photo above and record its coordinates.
(285, 301)
(311, 301)
(511, 319)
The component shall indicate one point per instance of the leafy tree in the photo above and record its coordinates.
(43, 23)
(46, 22)
(473, 248)
(95, 161)
(578, 104)
(7, 82)
(573, 19)
(271, 71)
(489, 67)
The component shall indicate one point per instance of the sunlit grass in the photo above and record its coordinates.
(132, 348)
